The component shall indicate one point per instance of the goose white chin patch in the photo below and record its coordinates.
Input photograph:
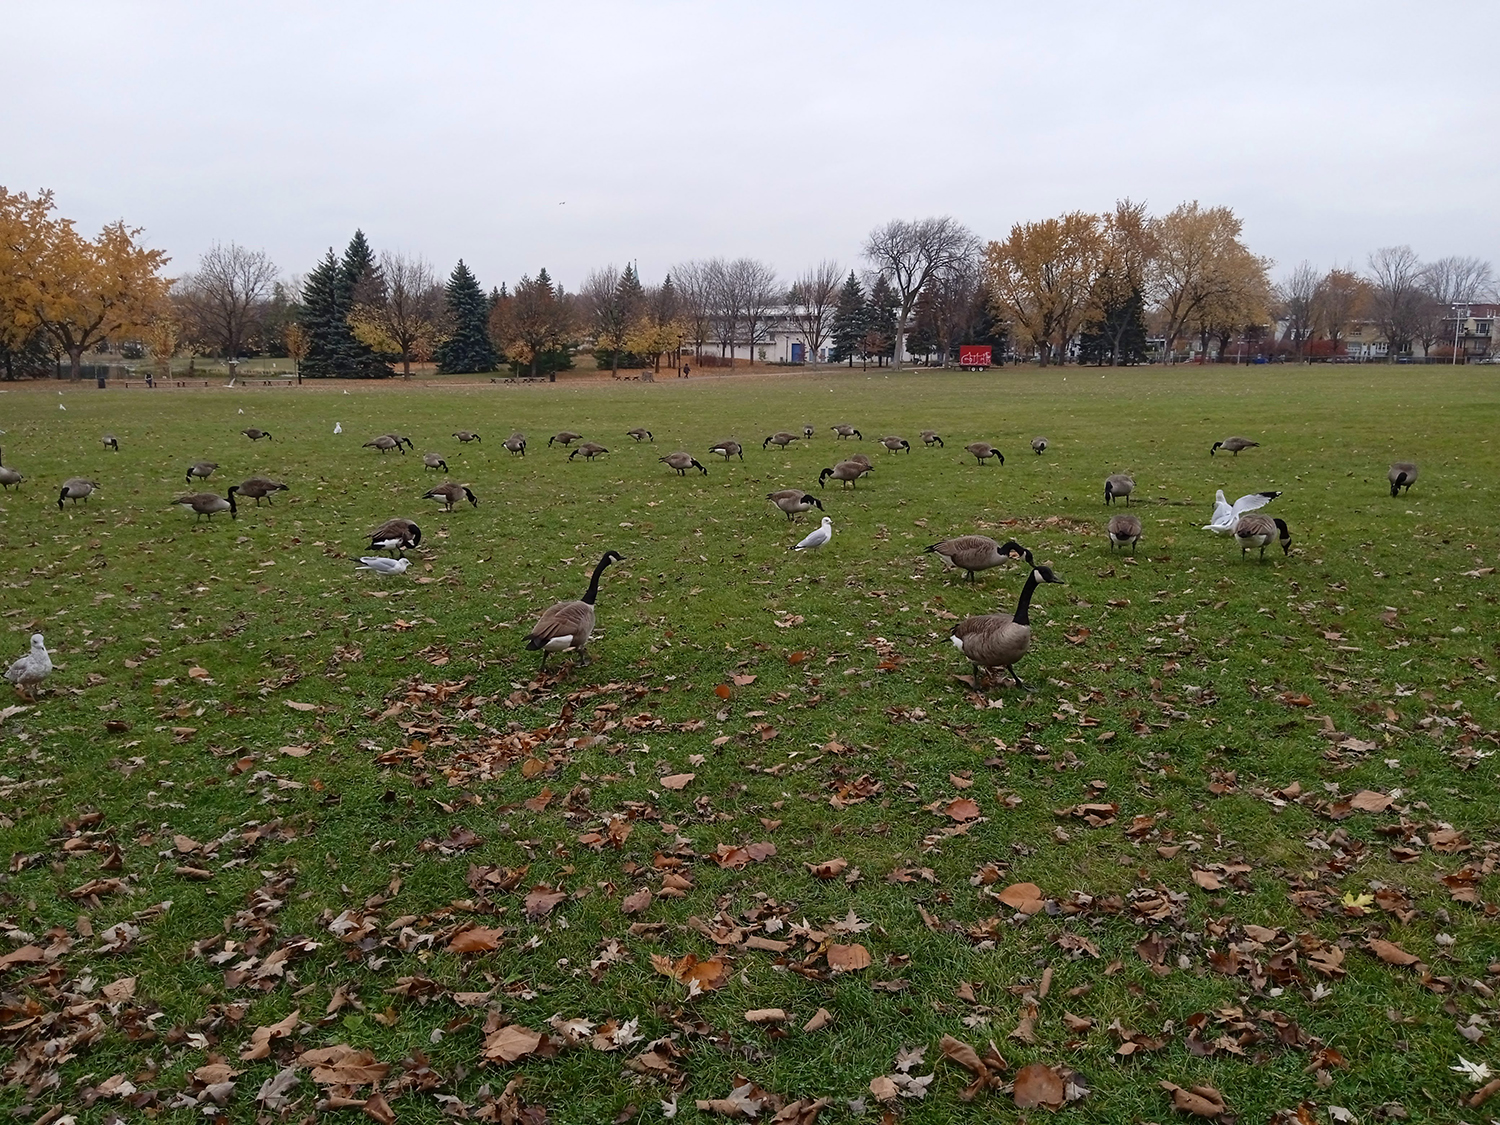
(559, 644)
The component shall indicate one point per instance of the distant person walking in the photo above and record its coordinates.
(686, 370)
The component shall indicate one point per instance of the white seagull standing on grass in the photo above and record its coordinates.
(1226, 517)
(384, 566)
(338, 428)
(818, 538)
(31, 669)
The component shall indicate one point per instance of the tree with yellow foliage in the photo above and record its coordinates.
(1202, 275)
(1042, 277)
(163, 337)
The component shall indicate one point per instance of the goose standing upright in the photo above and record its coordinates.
(1000, 640)
(569, 625)
(1227, 515)
(29, 671)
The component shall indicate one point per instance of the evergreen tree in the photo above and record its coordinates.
(469, 347)
(880, 320)
(325, 320)
(848, 327)
(362, 283)
(1118, 335)
(985, 327)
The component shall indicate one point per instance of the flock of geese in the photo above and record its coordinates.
(990, 642)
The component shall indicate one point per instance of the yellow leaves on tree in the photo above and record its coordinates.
(1042, 277)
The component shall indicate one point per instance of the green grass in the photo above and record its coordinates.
(1154, 677)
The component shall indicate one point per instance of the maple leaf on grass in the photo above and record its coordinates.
(259, 1046)
(1037, 1085)
(848, 958)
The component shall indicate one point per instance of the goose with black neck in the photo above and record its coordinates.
(567, 626)
(1000, 640)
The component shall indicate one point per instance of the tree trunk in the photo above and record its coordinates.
(406, 363)
(900, 348)
(75, 363)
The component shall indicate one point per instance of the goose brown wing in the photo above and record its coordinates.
(575, 619)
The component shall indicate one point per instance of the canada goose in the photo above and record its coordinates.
(794, 500)
(975, 552)
(448, 494)
(1039, 445)
(209, 503)
(807, 430)
(1118, 484)
(1232, 445)
(466, 436)
(640, 433)
(844, 431)
(400, 439)
(202, 469)
(589, 449)
(682, 462)
(931, 438)
(983, 450)
(780, 438)
(568, 625)
(76, 489)
(1403, 474)
(395, 535)
(516, 443)
(818, 537)
(896, 444)
(8, 476)
(1225, 516)
(1122, 530)
(565, 437)
(1261, 531)
(258, 487)
(385, 443)
(111, 442)
(862, 459)
(29, 671)
(434, 461)
(728, 448)
(845, 471)
(255, 435)
(999, 640)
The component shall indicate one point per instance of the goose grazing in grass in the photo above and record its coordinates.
(983, 451)
(564, 437)
(76, 489)
(589, 449)
(1262, 531)
(1124, 529)
(434, 461)
(1227, 515)
(896, 444)
(807, 430)
(1039, 445)
(568, 625)
(385, 443)
(819, 537)
(209, 504)
(682, 462)
(780, 438)
(1232, 445)
(931, 438)
(259, 487)
(395, 535)
(999, 640)
(29, 671)
(975, 552)
(516, 444)
(448, 494)
(382, 565)
(847, 431)
(1117, 485)
(640, 433)
(862, 459)
(1403, 474)
(255, 435)
(467, 436)
(8, 476)
(846, 472)
(201, 469)
(793, 501)
(400, 439)
(728, 448)
(111, 442)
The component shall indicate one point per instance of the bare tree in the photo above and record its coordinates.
(610, 309)
(813, 298)
(760, 296)
(1296, 298)
(1451, 283)
(908, 254)
(1397, 296)
(408, 311)
(946, 310)
(224, 297)
(694, 282)
(727, 304)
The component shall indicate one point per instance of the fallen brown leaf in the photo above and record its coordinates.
(1037, 1085)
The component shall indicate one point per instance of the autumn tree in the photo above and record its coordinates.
(1342, 297)
(614, 300)
(405, 312)
(1115, 329)
(534, 325)
(163, 337)
(908, 254)
(1202, 276)
(1042, 277)
(294, 336)
(812, 300)
(224, 297)
(848, 327)
(468, 347)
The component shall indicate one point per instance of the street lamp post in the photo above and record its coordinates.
(1460, 314)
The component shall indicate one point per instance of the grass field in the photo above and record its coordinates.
(378, 828)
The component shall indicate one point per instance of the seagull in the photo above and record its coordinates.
(818, 538)
(338, 427)
(31, 669)
(1225, 517)
(384, 566)
(60, 406)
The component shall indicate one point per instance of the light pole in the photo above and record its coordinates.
(1456, 322)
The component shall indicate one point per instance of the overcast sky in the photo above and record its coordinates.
(570, 135)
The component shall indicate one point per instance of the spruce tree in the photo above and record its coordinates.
(324, 319)
(469, 348)
(848, 327)
(880, 317)
(1118, 335)
(362, 283)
